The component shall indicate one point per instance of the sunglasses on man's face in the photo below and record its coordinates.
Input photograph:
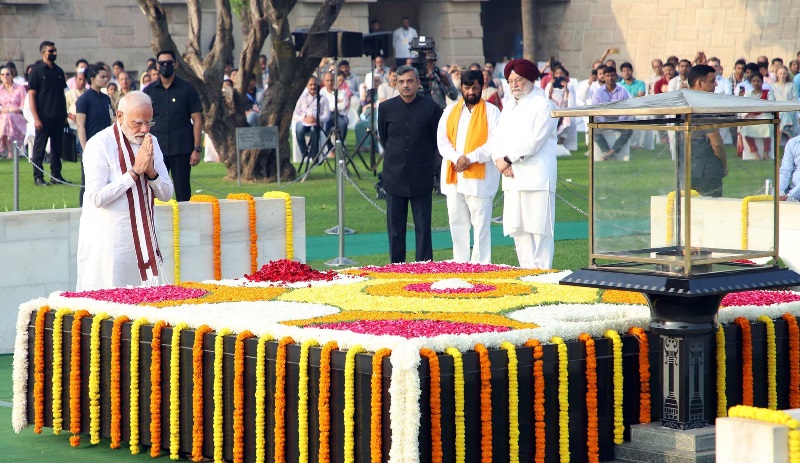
(166, 63)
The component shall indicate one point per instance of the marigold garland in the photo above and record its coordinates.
(350, 403)
(644, 373)
(251, 210)
(671, 215)
(58, 369)
(261, 396)
(722, 372)
(289, 219)
(619, 424)
(376, 406)
(538, 400)
(435, 405)
(116, 393)
(155, 389)
(747, 361)
(94, 378)
(323, 404)
(216, 237)
(197, 392)
(460, 421)
(38, 371)
(772, 384)
(280, 400)
(219, 352)
(592, 438)
(302, 401)
(746, 215)
(75, 379)
(134, 375)
(775, 417)
(794, 360)
(486, 403)
(513, 402)
(238, 396)
(175, 392)
(176, 238)
(563, 400)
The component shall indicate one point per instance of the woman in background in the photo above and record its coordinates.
(12, 122)
(784, 90)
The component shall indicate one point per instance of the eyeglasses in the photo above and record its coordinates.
(166, 63)
(140, 124)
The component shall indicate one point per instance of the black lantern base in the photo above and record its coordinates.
(683, 310)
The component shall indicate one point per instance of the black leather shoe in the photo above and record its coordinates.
(58, 181)
(39, 182)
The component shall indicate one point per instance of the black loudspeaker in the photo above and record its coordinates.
(378, 44)
(339, 44)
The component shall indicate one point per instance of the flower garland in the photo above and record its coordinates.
(261, 396)
(219, 352)
(176, 238)
(94, 378)
(75, 379)
(644, 373)
(722, 371)
(58, 372)
(280, 400)
(775, 417)
(616, 347)
(591, 398)
(772, 386)
(513, 402)
(175, 392)
(563, 399)
(746, 214)
(435, 405)
(155, 389)
(302, 401)
(349, 403)
(376, 406)
(486, 403)
(671, 214)
(134, 375)
(794, 360)
(460, 422)
(251, 210)
(747, 361)
(538, 400)
(38, 371)
(216, 237)
(238, 396)
(289, 219)
(197, 392)
(116, 393)
(323, 404)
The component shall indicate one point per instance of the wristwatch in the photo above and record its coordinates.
(198, 148)
(508, 161)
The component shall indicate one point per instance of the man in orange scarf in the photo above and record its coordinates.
(469, 177)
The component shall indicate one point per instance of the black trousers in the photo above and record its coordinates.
(396, 216)
(53, 129)
(180, 169)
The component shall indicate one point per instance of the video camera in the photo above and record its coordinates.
(422, 49)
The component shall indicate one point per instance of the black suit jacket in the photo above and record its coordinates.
(408, 135)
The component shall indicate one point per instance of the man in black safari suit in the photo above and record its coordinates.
(407, 125)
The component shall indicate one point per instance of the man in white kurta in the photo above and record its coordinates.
(469, 178)
(125, 171)
(523, 146)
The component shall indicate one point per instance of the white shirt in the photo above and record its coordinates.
(486, 187)
(582, 93)
(723, 86)
(344, 102)
(401, 40)
(307, 106)
(677, 83)
(383, 73)
(106, 253)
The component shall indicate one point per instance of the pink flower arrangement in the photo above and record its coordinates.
(140, 295)
(759, 298)
(426, 288)
(435, 267)
(290, 271)
(411, 328)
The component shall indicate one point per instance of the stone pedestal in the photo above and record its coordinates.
(740, 439)
(653, 443)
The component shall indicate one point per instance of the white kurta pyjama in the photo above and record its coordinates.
(106, 253)
(527, 135)
(469, 200)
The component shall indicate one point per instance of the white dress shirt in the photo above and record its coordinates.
(401, 41)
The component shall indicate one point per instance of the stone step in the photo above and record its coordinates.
(631, 452)
(654, 435)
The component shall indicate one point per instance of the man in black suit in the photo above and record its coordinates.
(407, 125)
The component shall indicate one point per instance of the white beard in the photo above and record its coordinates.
(133, 139)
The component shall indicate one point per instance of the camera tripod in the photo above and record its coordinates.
(326, 146)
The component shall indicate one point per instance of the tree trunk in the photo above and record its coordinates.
(528, 39)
